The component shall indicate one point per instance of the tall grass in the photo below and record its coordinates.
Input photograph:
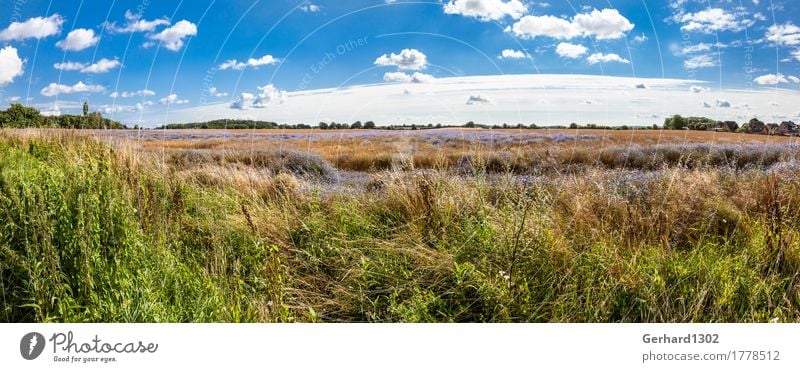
(91, 232)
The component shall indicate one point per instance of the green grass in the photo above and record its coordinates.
(93, 233)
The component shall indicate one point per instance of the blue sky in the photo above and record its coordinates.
(151, 62)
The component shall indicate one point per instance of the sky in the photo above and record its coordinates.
(629, 62)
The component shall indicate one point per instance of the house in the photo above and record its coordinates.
(787, 128)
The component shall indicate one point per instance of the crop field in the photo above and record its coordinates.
(439, 225)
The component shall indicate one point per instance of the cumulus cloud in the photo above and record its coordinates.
(51, 111)
(402, 77)
(135, 23)
(794, 79)
(310, 8)
(172, 37)
(55, 89)
(233, 64)
(602, 24)
(696, 89)
(479, 99)
(787, 34)
(99, 67)
(11, 66)
(137, 93)
(486, 10)
(770, 79)
(78, 39)
(570, 50)
(407, 59)
(216, 93)
(512, 54)
(606, 58)
(268, 94)
(701, 61)
(36, 28)
(172, 99)
(712, 20)
(243, 102)
(723, 103)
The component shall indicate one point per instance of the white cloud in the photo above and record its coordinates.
(37, 28)
(512, 54)
(79, 39)
(701, 61)
(530, 27)
(55, 89)
(216, 93)
(11, 66)
(697, 89)
(479, 99)
(570, 50)
(796, 54)
(770, 79)
(640, 38)
(794, 79)
(402, 77)
(408, 59)
(602, 24)
(700, 48)
(252, 62)
(787, 34)
(69, 66)
(486, 10)
(99, 67)
(243, 102)
(137, 93)
(51, 111)
(605, 58)
(711, 20)
(269, 94)
(135, 23)
(310, 8)
(172, 37)
(723, 103)
(172, 99)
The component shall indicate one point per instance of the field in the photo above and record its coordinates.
(445, 225)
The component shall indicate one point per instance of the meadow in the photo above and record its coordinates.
(450, 225)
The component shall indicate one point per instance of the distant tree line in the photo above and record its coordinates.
(20, 116)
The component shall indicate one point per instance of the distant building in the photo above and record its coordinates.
(787, 128)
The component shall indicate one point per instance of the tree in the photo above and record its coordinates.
(369, 125)
(19, 116)
(469, 124)
(675, 122)
(356, 125)
(323, 125)
(573, 126)
(85, 108)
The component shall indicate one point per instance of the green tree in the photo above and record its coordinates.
(19, 116)
(675, 122)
